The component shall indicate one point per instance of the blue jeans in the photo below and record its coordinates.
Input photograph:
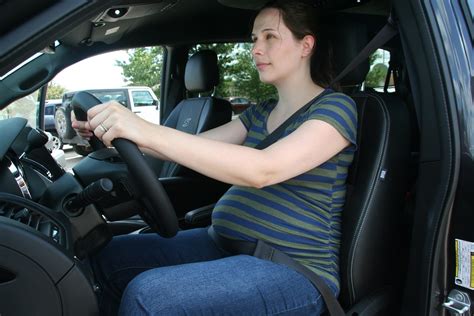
(189, 275)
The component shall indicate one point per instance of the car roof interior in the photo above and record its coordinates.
(169, 21)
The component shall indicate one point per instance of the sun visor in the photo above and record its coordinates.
(322, 4)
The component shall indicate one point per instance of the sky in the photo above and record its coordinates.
(95, 72)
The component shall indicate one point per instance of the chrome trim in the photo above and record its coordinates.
(17, 172)
(458, 303)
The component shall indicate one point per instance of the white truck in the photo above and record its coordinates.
(140, 100)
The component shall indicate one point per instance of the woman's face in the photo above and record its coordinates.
(277, 54)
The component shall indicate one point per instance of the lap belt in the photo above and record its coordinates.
(264, 251)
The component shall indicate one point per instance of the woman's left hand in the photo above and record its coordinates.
(112, 120)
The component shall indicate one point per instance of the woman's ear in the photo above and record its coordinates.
(308, 43)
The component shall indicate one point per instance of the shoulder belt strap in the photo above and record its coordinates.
(382, 37)
(276, 134)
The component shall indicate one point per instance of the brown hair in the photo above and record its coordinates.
(302, 19)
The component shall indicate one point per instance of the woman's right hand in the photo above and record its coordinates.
(82, 128)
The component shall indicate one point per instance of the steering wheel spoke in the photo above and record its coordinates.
(159, 212)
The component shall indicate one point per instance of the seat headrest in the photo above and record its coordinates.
(349, 37)
(202, 73)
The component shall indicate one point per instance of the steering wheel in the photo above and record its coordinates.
(158, 212)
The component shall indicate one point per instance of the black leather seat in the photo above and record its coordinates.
(196, 115)
(377, 183)
(193, 116)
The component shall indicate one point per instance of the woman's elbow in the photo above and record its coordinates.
(256, 183)
(261, 179)
(261, 173)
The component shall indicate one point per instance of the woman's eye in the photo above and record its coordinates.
(269, 36)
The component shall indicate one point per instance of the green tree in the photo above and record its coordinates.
(375, 55)
(143, 67)
(244, 76)
(224, 53)
(238, 75)
(55, 91)
(376, 76)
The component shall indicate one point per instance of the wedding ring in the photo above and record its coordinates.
(105, 129)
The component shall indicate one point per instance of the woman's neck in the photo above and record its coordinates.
(293, 95)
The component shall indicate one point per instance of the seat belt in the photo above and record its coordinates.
(382, 37)
(264, 251)
(276, 134)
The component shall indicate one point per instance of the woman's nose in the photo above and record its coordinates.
(256, 49)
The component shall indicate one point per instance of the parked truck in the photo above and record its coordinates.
(140, 100)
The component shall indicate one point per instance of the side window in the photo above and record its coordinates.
(132, 67)
(109, 77)
(379, 66)
(26, 107)
(239, 80)
(143, 67)
(142, 98)
(468, 11)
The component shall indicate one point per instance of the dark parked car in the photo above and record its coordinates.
(239, 104)
(50, 107)
(407, 239)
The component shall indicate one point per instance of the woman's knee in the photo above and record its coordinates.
(240, 284)
(154, 292)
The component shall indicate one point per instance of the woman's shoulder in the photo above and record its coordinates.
(332, 99)
(338, 110)
(333, 103)
(334, 96)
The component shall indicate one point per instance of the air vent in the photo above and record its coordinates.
(33, 220)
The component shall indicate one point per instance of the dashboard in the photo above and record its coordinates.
(35, 192)
(53, 221)
(44, 244)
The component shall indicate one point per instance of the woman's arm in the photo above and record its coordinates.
(233, 132)
(310, 145)
(313, 143)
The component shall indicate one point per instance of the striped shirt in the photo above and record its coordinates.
(302, 215)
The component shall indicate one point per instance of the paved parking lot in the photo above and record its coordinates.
(71, 157)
